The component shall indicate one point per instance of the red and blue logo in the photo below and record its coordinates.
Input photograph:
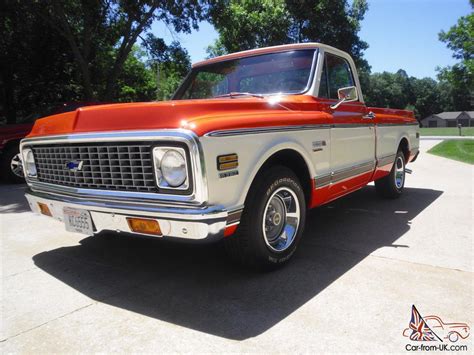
(433, 328)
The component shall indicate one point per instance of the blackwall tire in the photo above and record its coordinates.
(272, 222)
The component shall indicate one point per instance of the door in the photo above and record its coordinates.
(352, 133)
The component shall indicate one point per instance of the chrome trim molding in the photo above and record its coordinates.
(322, 180)
(201, 64)
(386, 160)
(234, 217)
(352, 125)
(129, 197)
(185, 185)
(194, 224)
(352, 171)
(199, 196)
(398, 124)
(242, 131)
(151, 209)
(343, 174)
(257, 130)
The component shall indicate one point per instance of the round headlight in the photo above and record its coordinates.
(30, 166)
(173, 168)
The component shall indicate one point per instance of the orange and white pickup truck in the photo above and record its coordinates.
(249, 142)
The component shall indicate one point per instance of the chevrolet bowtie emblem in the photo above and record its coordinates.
(74, 165)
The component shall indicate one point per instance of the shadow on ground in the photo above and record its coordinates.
(12, 198)
(197, 287)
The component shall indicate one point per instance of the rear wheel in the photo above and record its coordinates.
(11, 165)
(391, 186)
(272, 222)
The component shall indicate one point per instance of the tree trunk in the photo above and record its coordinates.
(82, 60)
(129, 40)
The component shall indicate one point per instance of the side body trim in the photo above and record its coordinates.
(399, 124)
(257, 130)
(242, 131)
(389, 159)
(343, 174)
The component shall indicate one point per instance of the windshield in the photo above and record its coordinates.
(275, 73)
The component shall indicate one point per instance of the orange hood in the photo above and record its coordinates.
(201, 116)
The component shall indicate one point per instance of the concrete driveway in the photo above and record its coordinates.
(362, 263)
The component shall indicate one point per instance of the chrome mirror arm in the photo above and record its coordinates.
(337, 104)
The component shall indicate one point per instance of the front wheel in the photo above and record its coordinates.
(272, 222)
(391, 186)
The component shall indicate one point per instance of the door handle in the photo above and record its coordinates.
(369, 116)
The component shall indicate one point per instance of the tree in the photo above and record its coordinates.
(247, 24)
(333, 22)
(82, 50)
(171, 63)
(388, 90)
(398, 90)
(36, 66)
(136, 82)
(94, 28)
(458, 80)
(426, 94)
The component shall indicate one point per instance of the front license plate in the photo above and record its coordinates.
(78, 221)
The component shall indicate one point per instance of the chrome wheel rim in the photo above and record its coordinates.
(399, 172)
(16, 165)
(281, 219)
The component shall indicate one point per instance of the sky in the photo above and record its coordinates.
(402, 34)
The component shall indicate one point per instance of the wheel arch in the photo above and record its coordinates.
(404, 146)
(292, 158)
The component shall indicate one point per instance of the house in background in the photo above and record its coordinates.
(449, 119)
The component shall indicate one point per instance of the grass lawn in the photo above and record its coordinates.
(447, 131)
(462, 150)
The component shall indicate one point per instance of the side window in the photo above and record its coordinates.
(337, 73)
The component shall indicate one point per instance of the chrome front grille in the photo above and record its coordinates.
(111, 166)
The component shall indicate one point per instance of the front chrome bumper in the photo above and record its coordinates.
(203, 223)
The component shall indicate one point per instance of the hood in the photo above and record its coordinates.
(201, 116)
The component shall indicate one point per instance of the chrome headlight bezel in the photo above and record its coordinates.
(29, 163)
(158, 152)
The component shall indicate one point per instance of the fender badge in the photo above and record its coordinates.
(318, 145)
(228, 174)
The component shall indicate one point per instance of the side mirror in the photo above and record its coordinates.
(348, 94)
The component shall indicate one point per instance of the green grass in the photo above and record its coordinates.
(462, 150)
(447, 131)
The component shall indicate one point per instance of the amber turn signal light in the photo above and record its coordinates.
(228, 161)
(44, 209)
(144, 226)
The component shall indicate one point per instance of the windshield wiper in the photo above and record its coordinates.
(237, 93)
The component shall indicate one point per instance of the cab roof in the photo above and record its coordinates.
(266, 50)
